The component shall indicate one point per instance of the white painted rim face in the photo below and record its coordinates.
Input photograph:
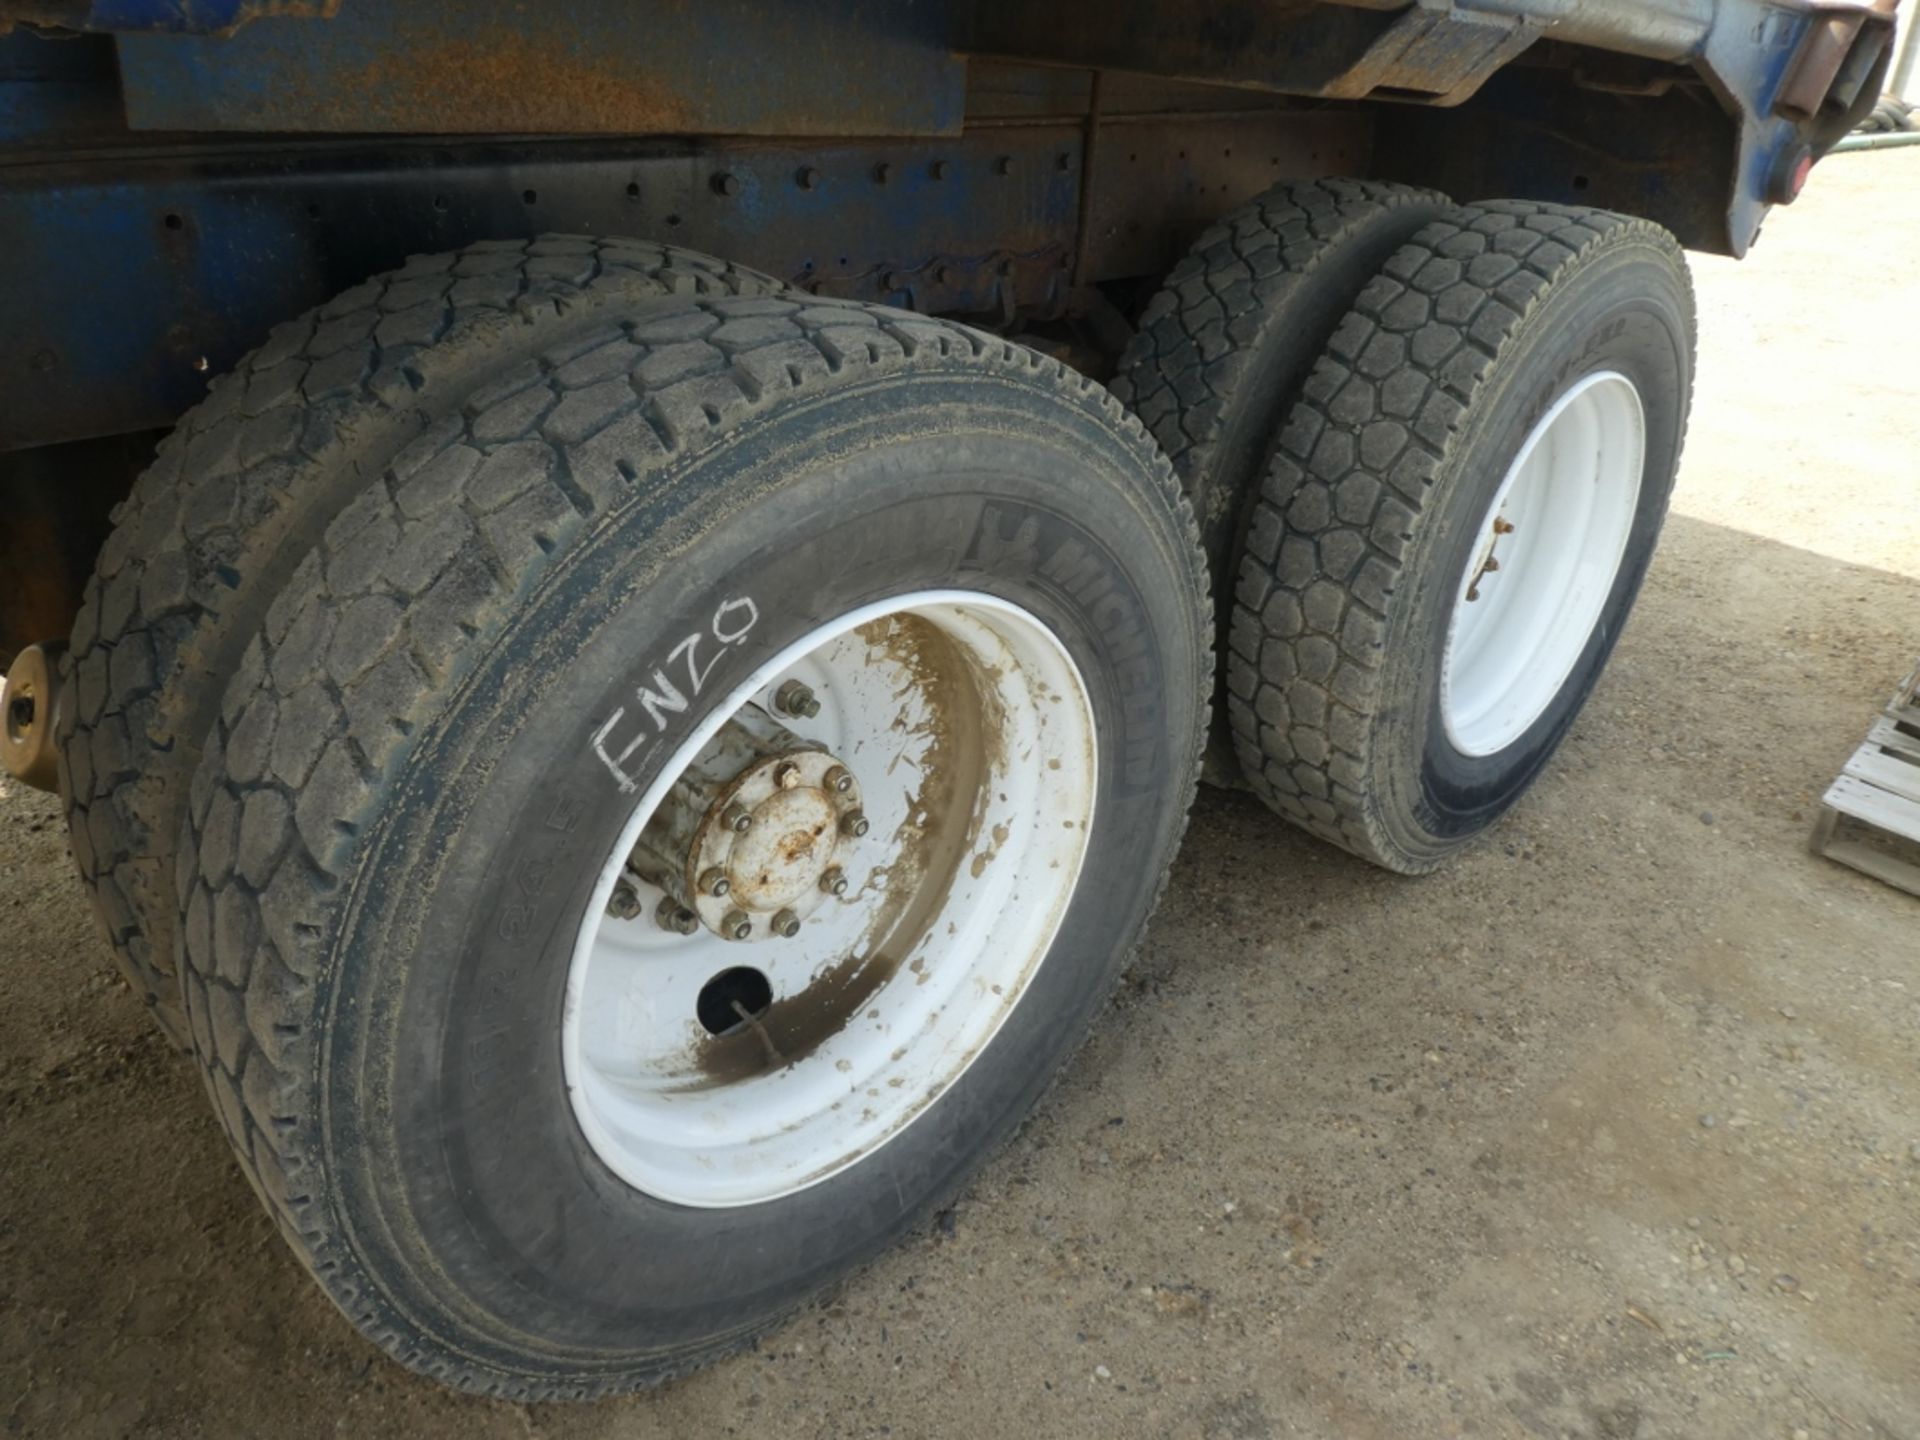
(969, 731)
(1543, 564)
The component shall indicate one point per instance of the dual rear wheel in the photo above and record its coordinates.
(677, 788)
(1459, 495)
(640, 867)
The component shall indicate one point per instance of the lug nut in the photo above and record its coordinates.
(737, 819)
(713, 881)
(786, 924)
(853, 823)
(797, 700)
(624, 903)
(834, 882)
(670, 914)
(736, 926)
(839, 780)
(786, 774)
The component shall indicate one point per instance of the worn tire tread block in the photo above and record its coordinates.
(153, 645)
(1223, 348)
(431, 547)
(1349, 483)
(1185, 370)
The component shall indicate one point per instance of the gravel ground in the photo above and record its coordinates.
(1612, 1130)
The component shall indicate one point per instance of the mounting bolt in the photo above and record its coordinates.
(725, 183)
(808, 177)
(938, 169)
(794, 698)
(737, 819)
(838, 779)
(854, 823)
(834, 882)
(736, 926)
(713, 881)
(786, 924)
(786, 775)
(670, 914)
(624, 903)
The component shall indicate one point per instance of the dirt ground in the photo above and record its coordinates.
(1612, 1130)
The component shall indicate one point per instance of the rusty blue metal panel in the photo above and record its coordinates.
(174, 17)
(742, 67)
(53, 90)
(147, 274)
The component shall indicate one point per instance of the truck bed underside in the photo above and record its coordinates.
(177, 176)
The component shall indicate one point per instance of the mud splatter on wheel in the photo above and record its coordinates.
(710, 852)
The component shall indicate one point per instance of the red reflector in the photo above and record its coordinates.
(1800, 173)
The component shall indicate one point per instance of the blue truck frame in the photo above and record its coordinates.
(177, 176)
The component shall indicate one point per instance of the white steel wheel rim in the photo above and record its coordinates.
(1556, 534)
(948, 967)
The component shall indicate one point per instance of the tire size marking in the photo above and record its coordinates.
(664, 698)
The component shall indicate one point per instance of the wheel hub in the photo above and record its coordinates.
(707, 1072)
(752, 837)
(1549, 549)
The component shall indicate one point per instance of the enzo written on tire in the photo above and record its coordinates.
(713, 852)
(1455, 524)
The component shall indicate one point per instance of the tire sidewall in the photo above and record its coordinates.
(1626, 311)
(460, 1169)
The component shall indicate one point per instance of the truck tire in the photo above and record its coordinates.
(1403, 661)
(242, 487)
(1222, 350)
(896, 628)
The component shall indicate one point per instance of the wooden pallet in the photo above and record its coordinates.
(1879, 790)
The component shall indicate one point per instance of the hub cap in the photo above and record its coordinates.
(1544, 563)
(744, 840)
(831, 899)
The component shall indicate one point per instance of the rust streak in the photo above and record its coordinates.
(945, 816)
(502, 83)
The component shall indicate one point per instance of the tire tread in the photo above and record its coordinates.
(148, 650)
(1349, 483)
(442, 548)
(1185, 370)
